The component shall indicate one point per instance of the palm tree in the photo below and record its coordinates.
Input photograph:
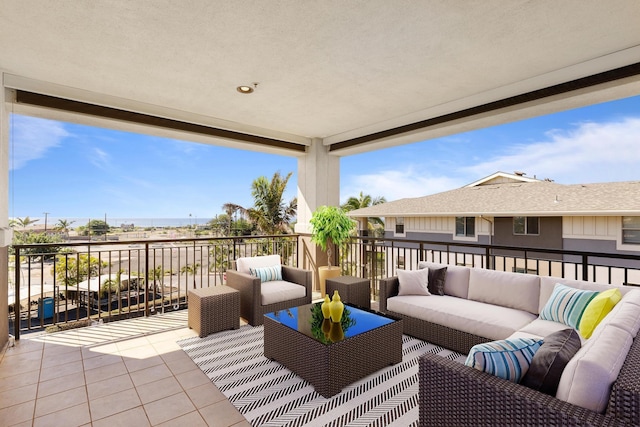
(63, 226)
(23, 222)
(365, 201)
(270, 213)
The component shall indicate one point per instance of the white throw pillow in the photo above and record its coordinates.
(413, 282)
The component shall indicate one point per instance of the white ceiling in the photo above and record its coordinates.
(330, 69)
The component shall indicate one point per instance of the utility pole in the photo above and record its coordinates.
(46, 214)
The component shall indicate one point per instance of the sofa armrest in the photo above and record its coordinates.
(388, 288)
(624, 402)
(299, 276)
(451, 393)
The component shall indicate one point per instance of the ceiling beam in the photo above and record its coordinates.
(68, 105)
(547, 92)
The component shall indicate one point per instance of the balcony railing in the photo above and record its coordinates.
(377, 258)
(103, 281)
(96, 281)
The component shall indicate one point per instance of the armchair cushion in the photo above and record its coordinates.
(276, 291)
(245, 263)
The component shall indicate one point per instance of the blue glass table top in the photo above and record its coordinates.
(307, 319)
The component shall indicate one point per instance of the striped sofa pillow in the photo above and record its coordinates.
(267, 274)
(507, 359)
(566, 305)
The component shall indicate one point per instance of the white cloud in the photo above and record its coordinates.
(398, 184)
(101, 159)
(33, 137)
(591, 152)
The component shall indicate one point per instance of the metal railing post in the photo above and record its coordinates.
(16, 303)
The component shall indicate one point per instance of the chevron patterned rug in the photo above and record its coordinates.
(268, 394)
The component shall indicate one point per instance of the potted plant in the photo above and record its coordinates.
(330, 225)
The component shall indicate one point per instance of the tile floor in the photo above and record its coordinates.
(126, 373)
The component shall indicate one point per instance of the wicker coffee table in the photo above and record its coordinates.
(330, 359)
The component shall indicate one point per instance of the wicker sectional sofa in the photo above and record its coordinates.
(599, 386)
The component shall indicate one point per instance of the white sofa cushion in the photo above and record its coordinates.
(244, 264)
(485, 320)
(279, 290)
(547, 284)
(539, 328)
(457, 280)
(587, 379)
(515, 290)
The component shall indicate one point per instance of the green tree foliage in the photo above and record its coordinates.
(22, 222)
(63, 226)
(71, 270)
(270, 213)
(97, 227)
(375, 224)
(29, 238)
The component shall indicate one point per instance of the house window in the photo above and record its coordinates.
(526, 225)
(399, 225)
(631, 230)
(465, 226)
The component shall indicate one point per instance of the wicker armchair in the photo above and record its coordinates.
(251, 288)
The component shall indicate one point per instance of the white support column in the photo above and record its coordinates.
(318, 185)
(318, 182)
(5, 232)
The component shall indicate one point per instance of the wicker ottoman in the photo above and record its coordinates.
(214, 309)
(353, 290)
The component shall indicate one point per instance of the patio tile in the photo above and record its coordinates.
(132, 417)
(58, 385)
(18, 395)
(99, 350)
(61, 371)
(193, 378)
(104, 372)
(54, 403)
(113, 404)
(102, 360)
(20, 380)
(109, 386)
(74, 416)
(192, 419)
(168, 408)
(132, 343)
(181, 365)
(221, 414)
(142, 363)
(18, 413)
(205, 395)
(158, 389)
(14, 365)
(150, 375)
(53, 360)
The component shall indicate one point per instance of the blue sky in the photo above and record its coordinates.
(73, 171)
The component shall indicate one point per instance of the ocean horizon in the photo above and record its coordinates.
(119, 221)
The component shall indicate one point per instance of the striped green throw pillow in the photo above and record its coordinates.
(566, 305)
(507, 359)
(267, 274)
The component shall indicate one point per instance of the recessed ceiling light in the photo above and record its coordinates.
(244, 89)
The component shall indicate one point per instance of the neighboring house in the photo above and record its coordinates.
(515, 210)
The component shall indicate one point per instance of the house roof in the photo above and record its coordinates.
(358, 75)
(518, 197)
